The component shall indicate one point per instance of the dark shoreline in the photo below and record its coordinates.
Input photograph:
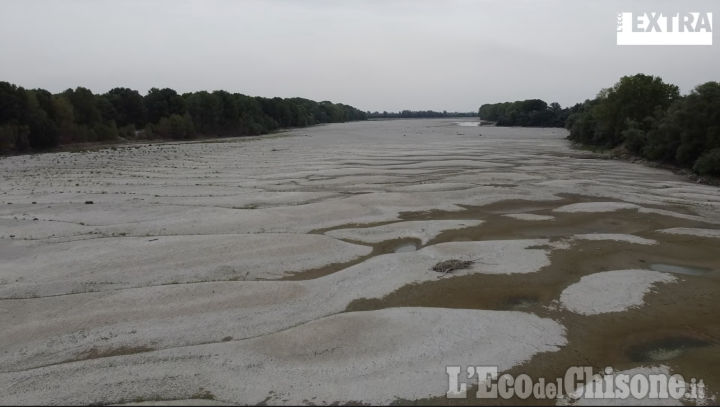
(624, 156)
(102, 145)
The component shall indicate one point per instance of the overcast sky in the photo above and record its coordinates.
(372, 54)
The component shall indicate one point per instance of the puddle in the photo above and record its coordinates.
(468, 124)
(664, 349)
(510, 209)
(617, 255)
(401, 245)
(669, 268)
(410, 247)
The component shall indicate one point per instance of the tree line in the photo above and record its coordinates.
(38, 120)
(525, 113)
(651, 119)
(640, 113)
(411, 114)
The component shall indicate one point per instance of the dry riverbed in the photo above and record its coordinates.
(298, 269)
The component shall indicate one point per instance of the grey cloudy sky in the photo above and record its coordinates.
(372, 54)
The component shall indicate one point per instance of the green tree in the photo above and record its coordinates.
(43, 132)
(206, 110)
(229, 113)
(105, 131)
(12, 103)
(709, 163)
(44, 99)
(163, 103)
(64, 119)
(84, 106)
(635, 98)
(14, 137)
(130, 107)
(107, 110)
(699, 118)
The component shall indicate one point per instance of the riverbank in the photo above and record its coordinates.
(620, 153)
(125, 143)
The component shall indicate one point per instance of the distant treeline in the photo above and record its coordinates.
(641, 113)
(38, 120)
(410, 114)
(526, 113)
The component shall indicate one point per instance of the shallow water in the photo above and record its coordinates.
(664, 349)
(468, 124)
(669, 268)
(406, 248)
(518, 303)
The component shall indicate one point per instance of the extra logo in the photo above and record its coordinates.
(680, 28)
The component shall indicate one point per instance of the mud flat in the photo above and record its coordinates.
(298, 269)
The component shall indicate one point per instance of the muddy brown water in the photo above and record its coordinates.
(675, 269)
(386, 247)
(678, 326)
(406, 248)
(678, 320)
(665, 348)
(498, 227)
